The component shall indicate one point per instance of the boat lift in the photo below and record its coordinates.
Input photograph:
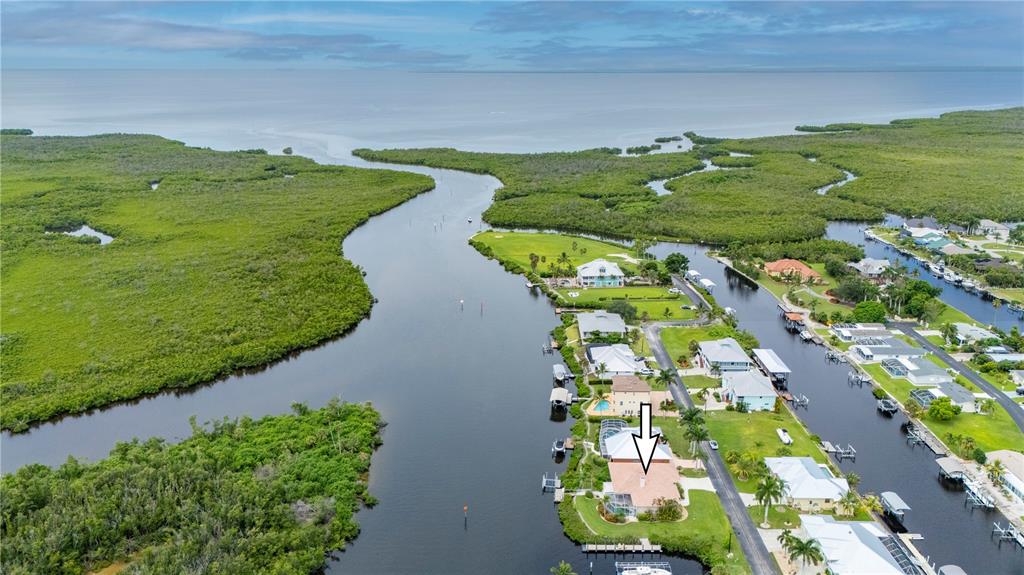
(550, 483)
(894, 507)
(800, 401)
(857, 378)
(1009, 533)
(840, 452)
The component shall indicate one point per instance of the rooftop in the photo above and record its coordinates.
(971, 332)
(600, 321)
(771, 361)
(852, 547)
(870, 266)
(788, 266)
(726, 350)
(629, 384)
(619, 446)
(747, 383)
(599, 267)
(806, 479)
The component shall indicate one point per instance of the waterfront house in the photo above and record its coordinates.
(600, 323)
(1017, 376)
(630, 485)
(885, 348)
(628, 392)
(993, 229)
(957, 394)
(857, 332)
(1010, 357)
(951, 249)
(1013, 476)
(871, 268)
(918, 371)
(810, 486)
(617, 359)
(970, 333)
(788, 268)
(856, 547)
(750, 387)
(600, 273)
(722, 355)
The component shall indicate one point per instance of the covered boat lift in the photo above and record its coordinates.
(560, 398)
(894, 508)
(772, 365)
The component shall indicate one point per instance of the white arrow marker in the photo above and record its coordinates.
(645, 442)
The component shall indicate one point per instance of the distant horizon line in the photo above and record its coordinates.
(825, 69)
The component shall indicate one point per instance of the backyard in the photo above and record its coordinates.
(517, 247)
(677, 339)
(654, 301)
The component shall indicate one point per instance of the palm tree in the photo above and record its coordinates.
(665, 377)
(601, 367)
(949, 332)
(786, 539)
(853, 479)
(600, 394)
(703, 395)
(745, 466)
(850, 502)
(563, 568)
(871, 503)
(995, 470)
(807, 551)
(692, 416)
(696, 434)
(771, 489)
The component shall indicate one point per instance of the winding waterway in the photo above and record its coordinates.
(464, 387)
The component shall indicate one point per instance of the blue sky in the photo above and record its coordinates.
(500, 36)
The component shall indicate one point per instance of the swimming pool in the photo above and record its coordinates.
(602, 405)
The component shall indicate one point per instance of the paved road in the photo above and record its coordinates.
(1016, 413)
(757, 554)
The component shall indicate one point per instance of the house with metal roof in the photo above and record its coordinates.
(600, 322)
(859, 547)
(870, 267)
(854, 332)
(958, 395)
(612, 360)
(810, 486)
(1013, 474)
(750, 387)
(918, 371)
(970, 333)
(888, 348)
(772, 364)
(1010, 357)
(600, 273)
(723, 355)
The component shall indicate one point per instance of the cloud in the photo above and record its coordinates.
(115, 30)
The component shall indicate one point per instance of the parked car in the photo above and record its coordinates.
(646, 371)
(713, 444)
(675, 290)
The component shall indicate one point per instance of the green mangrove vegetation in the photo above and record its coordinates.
(267, 496)
(233, 261)
(912, 167)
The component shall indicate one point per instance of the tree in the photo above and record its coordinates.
(692, 416)
(770, 489)
(849, 502)
(786, 539)
(746, 465)
(995, 470)
(869, 312)
(853, 480)
(562, 568)
(949, 332)
(807, 551)
(702, 395)
(677, 263)
(942, 409)
(914, 410)
(665, 377)
(623, 308)
(871, 503)
(696, 433)
(534, 260)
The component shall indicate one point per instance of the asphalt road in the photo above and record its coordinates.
(1016, 413)
(760, 560)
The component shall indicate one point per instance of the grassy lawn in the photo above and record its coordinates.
(755, 433)
(952, 315)
(705, 523)
(992, 431)
(517, 246)
(651, 299)
(779, 289)
(779, 516)
(227, 265)
(700, 381)
(677, 339)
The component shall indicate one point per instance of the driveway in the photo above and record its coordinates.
(761, 562)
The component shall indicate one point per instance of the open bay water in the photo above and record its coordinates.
(464, 387)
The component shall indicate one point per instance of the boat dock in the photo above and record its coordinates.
(642, 567)
(772, 365)
(550, 483)
(953, 470)
(918, 436)
(857, 378)
(888, 406)
(1009, 533)
(644, 546)
(840, 452)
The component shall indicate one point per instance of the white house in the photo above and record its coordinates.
(600, 273)
(628, 392)
(617, 359)
(994, 229)
(888, 348)
(1013, 476)
(1017, 376)
(957, 394)
(600, 322)
(1011, 357)
(854, 332)
(970, 333)
(870, 267)
(751, 387)
(723, 355)
(918, 371)
(855, 547)
(810, 486)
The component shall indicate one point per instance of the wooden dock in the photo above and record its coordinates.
(645, 546)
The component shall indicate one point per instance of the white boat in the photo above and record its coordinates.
(969, 285)
(935, 269)
(469, 220)
(529, 285)
(559, 372)
(784, 436)
(949, 276)
(806, 335)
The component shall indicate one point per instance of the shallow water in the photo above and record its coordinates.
(87, 231)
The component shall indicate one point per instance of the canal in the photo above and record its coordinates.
(844, 414)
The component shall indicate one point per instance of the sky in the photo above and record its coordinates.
(512, 36)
